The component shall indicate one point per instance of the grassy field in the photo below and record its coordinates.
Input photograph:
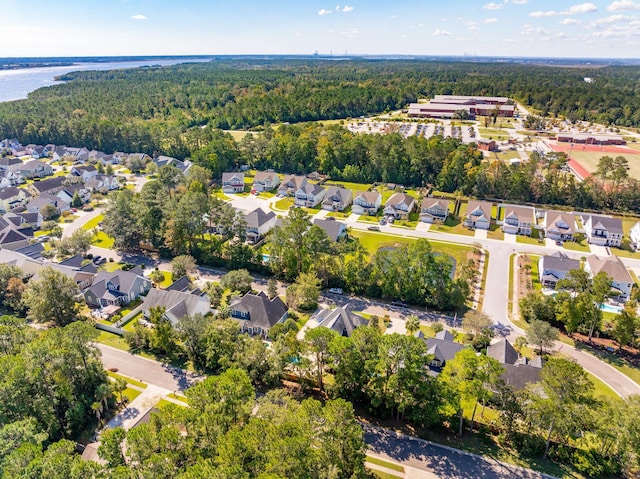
(452, 225)
(535, 238)
(505, 155)
(113, 340)
(349, 186)
(602, 390)
(133, 382)
(381, 462)
(240, 134)
(100, 239)
(89, 225)
(589, 159)
(284, 204)
(579, 245)
(493, 133)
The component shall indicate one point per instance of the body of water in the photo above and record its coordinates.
(17, 84)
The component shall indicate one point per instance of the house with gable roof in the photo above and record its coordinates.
(434, 209)
(367, 202)
(555, 267)
(335, 230)
(11, 198)
(337, 199)
(35, 169)
(116, 288)
(342, 320)
(478, 215)
(176, 304)
(442, 348)
(259, 224)
(559, 226)
(233, 182)
(265, 181)
(309, 195)
(257, 314)
(518, 370)
(614, 268)
(604, 230)
(399, 205)
(291, 184)
(518, 220)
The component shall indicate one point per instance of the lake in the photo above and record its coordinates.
(17, 84)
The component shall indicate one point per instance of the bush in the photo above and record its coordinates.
(593, 464)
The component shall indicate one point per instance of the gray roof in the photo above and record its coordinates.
(177, 304)
(333, 228)
(9, 192)
(429, 203)
(612, 266)
(484, 207)
(33, 251)
(337, 194)
(560, 262)
(551, 219)
(293, 181)
(443, 350)
(400, 198)
(523, 213)
(57, 182)
(258, 217)
(264, 175)
(503, 352)
(123, 280)
(229, 176)
(28, 265)
(311, 189)
(183, 284)
(612, 225)
(262, 311)
(369, 196)
(342, 320)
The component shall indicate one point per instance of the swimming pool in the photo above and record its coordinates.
(265, 258)
(607, 308)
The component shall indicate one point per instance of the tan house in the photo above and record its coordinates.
(265, 181)
(367, 202)
(434, 209)
(559, 226)
(478, 215)
(400, 205)
(518, 220)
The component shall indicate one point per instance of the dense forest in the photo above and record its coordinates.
(162, 110)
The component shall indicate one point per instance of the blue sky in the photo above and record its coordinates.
(536, 28)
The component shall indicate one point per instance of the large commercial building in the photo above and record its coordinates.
(446, 106)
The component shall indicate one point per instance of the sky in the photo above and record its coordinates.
(523, 28)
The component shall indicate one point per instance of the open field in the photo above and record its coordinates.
(588, 155)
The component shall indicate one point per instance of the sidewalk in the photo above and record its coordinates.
(140, 406)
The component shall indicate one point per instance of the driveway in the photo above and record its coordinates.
(601, 251)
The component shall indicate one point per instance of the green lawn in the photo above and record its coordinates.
(340, 214)
(384, 475)
(168, 280)
(101, 240)
(371, 218)
(493, 133)
(284, 204)
(381, 462)
(348, 185)
(507, 155)
(133, 382)
(454, 226)
(113, 340)
(495, 232)
(579, 245)
(535, 238)
(601, 389)
(130, 394)
(131, 324)
(41, 233)
(589, 159)
(111, 266)
(89, 225)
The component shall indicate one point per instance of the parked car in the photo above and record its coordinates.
(373, 228)
(335, 290)
(96, 259)
(383, 221)
(558, 243)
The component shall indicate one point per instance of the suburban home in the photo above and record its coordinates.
(77, 155)
(265, 181)
(400, 205)
(36, 205)
(10, 178)
(119, 287)
(141, 156)
(103, 183)
(259, 224)
(161, 161)
(612, 266)
(309, 195)
(257, 314)
(176, 304)
(232, 182)
(603, 230)
(33, 251)
(29, 266)
(291, 184)
(442, 348)
(434, 209)
(518, 220)
(335, 230)
(337, 199)
(634, 236)
(35, 169)
(68, 192)
(11, 237)
(367, 202)
(86, 172)
(554, 267)
(559, 226)
(182, 284)
(518, 370)
(24, 219)
(82, 274)
(50, 185)
(10, 164)
(342, 320)
(11, 198)
(478, 215)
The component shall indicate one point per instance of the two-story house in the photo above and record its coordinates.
(233, 182)
(116, 288)
(35, 169)
(103, 183)
(335, 230)
(367, 202)
(10, 178)
(309, 195)
(176, 304)
(86, 172)
(265, 181)
(257, 314)
(10, 164)
(554, 267)
(519, 371)
(518, 220)
(434, 209)
(259, 224)
(612, 266)
(291, 184)
(478, 215)
(634, 236)
(399, 205)
(441, 348)
(604, 230)
(337, 199)
(50, 185)
(11, 198)
(559, 226)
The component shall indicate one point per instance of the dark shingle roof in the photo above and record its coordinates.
(331, 227)
(503, 352)
(262, 312)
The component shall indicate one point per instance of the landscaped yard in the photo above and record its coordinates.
(93, 223)
(340, 214)
(579, 245)
(133, 382)
(452, 225)
(113, 340)
(495, 232)
(535, 238)
(493, 133)
(100, 239)
(354, 187)
(284, 204)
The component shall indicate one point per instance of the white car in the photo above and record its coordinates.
(335, 290)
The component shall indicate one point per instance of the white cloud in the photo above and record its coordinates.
(350, 32)
(623, 5)
(612, 19)
(439, 32)
(324, 12)
(347, 9)
(548, 13)
(138, 17)
(570, 21)
(518, 2)
(490, 20)
(493, 6)
(581, 8)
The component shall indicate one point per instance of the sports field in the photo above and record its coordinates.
(589, 155)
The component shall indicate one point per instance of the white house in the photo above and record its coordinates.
(554, 267)
(337, 199)
(367, 202)
(233, 182)
(518, 220)
(265, 181)
(291, 184)
(400, 205)
(259, 224)
(559, 226)
(621, 281)
(309, 195)
(634, 236)
(434, 209)
(604, 230)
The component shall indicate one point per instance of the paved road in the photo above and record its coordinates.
(146, 370)
(445, 462)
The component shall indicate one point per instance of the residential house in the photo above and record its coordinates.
(77, 268)
(634, 236)
(442, 348)
(142, 156)
(259, 224)
(103, 183)
(39, 202)
(58, 152)
(518, 370)
(86, 172)
(518, 220)
(291, 184)
(33, 251)
(554, 267)
(10, 164)
(434, 209)
(337, 199)
(604, 230)
(10, 178)
(176, 304)
(265, 181)
(400, 205)
(11, 198)
(77, 155)
(612, 266)
(35, 169)
(257, 314)
(29, 266)
(116, 288)
(342, 320)
(233, 182)
(68, 193)
(50, 185)
(367, 202)
(24, 219)
(478, 215)
(11, 237)
(182, 284)
(335, 230)
(309, 195)
(559, 226)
